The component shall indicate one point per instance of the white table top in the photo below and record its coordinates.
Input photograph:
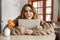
(28, 37)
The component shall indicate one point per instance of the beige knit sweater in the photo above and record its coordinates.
(43, 29)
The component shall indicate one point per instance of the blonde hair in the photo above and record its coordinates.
(33, 10)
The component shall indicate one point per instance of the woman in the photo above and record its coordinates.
(27, 12)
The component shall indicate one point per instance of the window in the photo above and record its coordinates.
(44, 8)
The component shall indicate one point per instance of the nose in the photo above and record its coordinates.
(28, 13)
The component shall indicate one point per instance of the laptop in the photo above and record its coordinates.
(29, 23)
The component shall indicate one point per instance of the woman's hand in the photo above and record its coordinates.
(28, 31)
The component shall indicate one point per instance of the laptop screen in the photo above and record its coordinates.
(29, 23)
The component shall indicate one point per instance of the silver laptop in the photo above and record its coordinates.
(29, 23)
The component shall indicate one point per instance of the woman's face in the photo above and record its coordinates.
(28, 13)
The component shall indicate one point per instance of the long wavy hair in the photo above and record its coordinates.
(35, 16)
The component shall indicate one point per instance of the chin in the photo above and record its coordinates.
(28, 18)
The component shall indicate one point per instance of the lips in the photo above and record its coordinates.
(28, 16)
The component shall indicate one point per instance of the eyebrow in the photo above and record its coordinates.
(26, 10)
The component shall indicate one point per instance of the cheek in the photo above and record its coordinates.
(31, 14)
(25, 14)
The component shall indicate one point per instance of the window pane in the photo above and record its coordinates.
(40, 17)
(35, 4)
(40, 10)
(40, 3)
(48, 2)
(48, 17)
(48, 10)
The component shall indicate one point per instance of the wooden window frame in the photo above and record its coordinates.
(44, 9)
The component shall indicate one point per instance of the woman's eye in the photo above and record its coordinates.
(30, 10)
(25, 11)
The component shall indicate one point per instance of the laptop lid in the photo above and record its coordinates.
(29, 23)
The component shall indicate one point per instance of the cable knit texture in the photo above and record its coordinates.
(43, 29)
